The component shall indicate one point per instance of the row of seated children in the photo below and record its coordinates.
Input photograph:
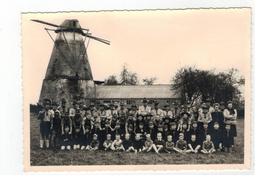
(185, 143)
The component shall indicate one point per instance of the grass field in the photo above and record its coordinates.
(48, 157)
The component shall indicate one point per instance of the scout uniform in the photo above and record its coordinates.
(45, 116)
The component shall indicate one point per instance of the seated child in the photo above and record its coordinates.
(107, 143)
(181, 144)
(169, 144)
(94, 145)
(193, 144)
(128, 144)
(148, 144)
(66, 139)
(138, 143)
(117, 144)
(208, 146)
(159, 143)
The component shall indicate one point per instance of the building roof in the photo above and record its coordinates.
(162, 91)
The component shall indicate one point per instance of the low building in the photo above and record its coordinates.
(161, 93)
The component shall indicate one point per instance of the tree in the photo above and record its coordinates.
(149, 81)
(193, 84)
(111, 80)
(127, 77)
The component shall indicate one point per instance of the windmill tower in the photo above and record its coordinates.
(69, 75)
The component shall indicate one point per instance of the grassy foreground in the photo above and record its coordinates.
(48, 157)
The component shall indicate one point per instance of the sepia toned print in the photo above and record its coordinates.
(151, 90)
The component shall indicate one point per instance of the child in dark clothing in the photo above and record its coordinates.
(86, 138)
(228, 138)
(216, 136)
(159, 143)
(66, 139)
(128, 144)
(193, 145)
(138, 143)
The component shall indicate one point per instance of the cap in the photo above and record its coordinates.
(144, 100)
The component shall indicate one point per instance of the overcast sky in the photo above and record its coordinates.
(151, 43)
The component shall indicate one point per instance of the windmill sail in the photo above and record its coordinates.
(69, 74)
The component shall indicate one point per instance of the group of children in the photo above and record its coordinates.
(182, 129)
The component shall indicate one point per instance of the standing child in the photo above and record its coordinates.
(86, 138)
(151, 130)
(159, 143)
(193, 145)
(174, 132)
(108, 143)
(45, 116)
(228, 138)
(94, 145)
(117, 144)
(216, 136)
(128, 144)
(148, 144)
(181, 144)
(66, 139)
(208, 146)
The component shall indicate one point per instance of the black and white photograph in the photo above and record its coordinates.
(143, 87)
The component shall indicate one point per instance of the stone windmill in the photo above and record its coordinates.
(69, 77)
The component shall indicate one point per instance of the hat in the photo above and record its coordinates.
(46, 101)
(172, 123)
(144, 100)
(183, 113)
(229, 102)
(167, 105)
(204, 106)
(216, 104)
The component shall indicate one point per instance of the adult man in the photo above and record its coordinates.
(230, 115)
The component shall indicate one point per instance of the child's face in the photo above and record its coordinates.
(141, 126)
(194, 125)
(227, 127)
(137, 137)
(159, 136)
(193, 138)
(67, 129)
(148, 137)
(230, 105)
(151, 126)
(160, 129)
(205, 126)
(216, 107)
(185, 116)
(127, 136)
(216, 126)
(94, 137)
(108, 137)
(117, 137)
(173, 127)
(208, 138)
(181, 137)
(169, 138)
(184, 126)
